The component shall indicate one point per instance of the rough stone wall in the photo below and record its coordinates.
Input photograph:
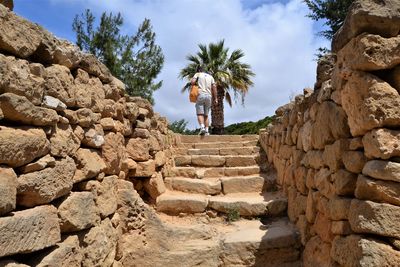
(73, 149)
(336, 149)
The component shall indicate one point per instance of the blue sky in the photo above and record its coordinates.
(279, 42)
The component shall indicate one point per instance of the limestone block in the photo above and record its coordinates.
(8, 189)
(379, 17)
(93, 66)
(145, 168)
(378, 190)
(330, 125)
(44, 186)
(323, 183)
(99, 245)
(29, 230)
(382, 143)
(322, 227)
(88, 91)
(316, 253)
(296, 204)
(300, 180)
(86, 117)
(113, 152)
(354, 161)
(341, 228)
(78, 212)
(304, 228)
(138, 149)
(368, 52)
(59, 83)
(208, 161)
(20, 109)
(155, 185)
(355, 250)
(310, 179)
(131, 111)
(369, 103)
(65, 253)
(160, 158)
(141, 133)
(19, 146)
(333, 154)
(90, 164)
(40, 164)
(305, 133)
(339, 208)
(94, 136)
(356, 143)
(344, 182)
(382, 170)
(374, 218)
(11, 263)
(313, 159)
(182, 160)
(63, 141)
(8, 3)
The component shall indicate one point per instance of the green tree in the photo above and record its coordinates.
(230, 74)
(332, 11)
(178, 126)
(136, 60)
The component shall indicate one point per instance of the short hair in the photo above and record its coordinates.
(200, 68)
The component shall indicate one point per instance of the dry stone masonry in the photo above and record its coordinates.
(336, 149)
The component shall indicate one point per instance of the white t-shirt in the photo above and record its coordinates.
(205, 82)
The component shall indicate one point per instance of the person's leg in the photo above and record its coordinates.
(200, 113)
(207, 107)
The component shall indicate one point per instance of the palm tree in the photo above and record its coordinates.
(229, 73)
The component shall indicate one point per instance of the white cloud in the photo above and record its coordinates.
(277, 38)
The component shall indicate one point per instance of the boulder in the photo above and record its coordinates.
(145, 168)
(21, 78)
(138, 149)
(382, 143)
(44, 186)
(78, 212)
(370, 103)
(105, 194)
(113, 152)
(20, 109)
(155, 185)
(90, 164)
(19, 146)
(355, 250)
(354, 161)
(63, 141)
(377, 17)
(29, 230)
(333, 154)
(377, 190)
(374, 218)
(316, 253)
(8, 190)
(94, 67)
(344, 182)
(94, 136)
(59, 83)
(382, 170)
(88, 90)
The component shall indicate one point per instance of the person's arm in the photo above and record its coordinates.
(214, 93)
(194, 79)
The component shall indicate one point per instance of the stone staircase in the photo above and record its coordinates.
(224, 175)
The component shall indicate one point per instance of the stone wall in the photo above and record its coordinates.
(73, 149)
(336, 149)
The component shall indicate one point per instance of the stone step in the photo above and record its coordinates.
(217, 138)
(177, 202)
(247, 184)
(225, 151)
(210, 186)
(219, 145)
(254, 244)
(215, 161)
(193, 172)
(247, 204)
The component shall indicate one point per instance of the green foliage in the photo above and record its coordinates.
(233, 214)
(248, 127)
(179, 126)
(333, 11)
(136, 59)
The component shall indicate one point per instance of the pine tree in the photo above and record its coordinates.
(136, 59)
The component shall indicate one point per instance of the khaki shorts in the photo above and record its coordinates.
(203, 104)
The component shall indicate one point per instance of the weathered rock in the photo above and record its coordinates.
(311, 205)
(114, 90)
(359, 251)
(113, 152)
(93, 66)
(377, 17)
(88, 90)
(330, 125)
(18, 36)
(44, 186)
(356, 143)
(333, 154)
(324, 69)
(11, 263)
(313, 159)
(145, 168)
(354, 161)
(322, 227)
(29, 230)
(19, 146)
(155, 185)
(78, 212)
(20, 109)
(60, 84)
(377, 190)
(105, 194)
(8, 190)
(322, 180)
(176, 204)
(63, 141)
(53, 103)
(160, 158)
(66, 253)
(8, 4)
(344, 182)
(339, 208)
(90, 164)
(316, 253)
(382, 170)
(341, 228)
(382, 143)
(138, 149)
(86, 117)
(374, 218)
(94, 136)
(369, 103)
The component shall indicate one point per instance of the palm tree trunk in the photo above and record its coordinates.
(217, 113)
